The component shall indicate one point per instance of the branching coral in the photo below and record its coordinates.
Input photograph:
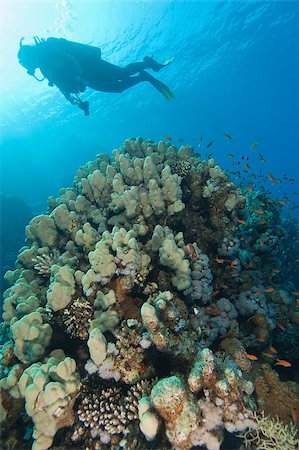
(269, 433)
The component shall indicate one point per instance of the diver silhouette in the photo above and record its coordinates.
(72, 67)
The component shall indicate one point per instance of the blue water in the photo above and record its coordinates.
(235, 71)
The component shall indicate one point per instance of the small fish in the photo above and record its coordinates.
(224, 286)
(219, 260)
(262, 243)
(253, 146)
(230, 155)
(270, 176)
(281, 327)
(283, 363)
(259, 211)
(247, 166)
(228, 136)
(294, 415)
(234, 275)
(262, 222)
(258, 292)
(191, 250)
(268, 355)
(234, 262)
(241, 221)
(269, 290)
(215, 293)
(276, 270)
(261, 158)
(295, 293)
(167, 138)
(249, 188)
(260, 339)
(273, 349)
(251, 357)
(213, 310)
(196, 311)
(210, 144)
(181, 139)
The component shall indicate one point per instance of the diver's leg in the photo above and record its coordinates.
(148, 63)
(122, 85)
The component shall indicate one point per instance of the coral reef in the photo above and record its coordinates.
(144, 309)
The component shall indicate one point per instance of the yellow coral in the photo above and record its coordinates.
(270, 433)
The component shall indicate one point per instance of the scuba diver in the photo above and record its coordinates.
(73, 67)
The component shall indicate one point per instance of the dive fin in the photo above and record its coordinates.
(161, 87)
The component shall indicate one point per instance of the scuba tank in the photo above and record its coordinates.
(82, 52)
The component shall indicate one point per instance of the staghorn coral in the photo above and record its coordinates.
(269, 433)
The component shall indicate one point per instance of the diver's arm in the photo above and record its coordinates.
(76, 101)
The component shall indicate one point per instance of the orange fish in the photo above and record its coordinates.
(294, 415)
(259, 211)
(241, 221)
(260, 339)
(283, 363)
(269, 290)
(167, 138)
(191, 250)
(262, 222)
(258, 292)
(224, 286)
(219, 260)
(270, 176)
(234, 262)
(268, 355)
(276, 270)
(273, 349)
(215, 293)
(228, 136)
(249, 188)
(251, 357)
